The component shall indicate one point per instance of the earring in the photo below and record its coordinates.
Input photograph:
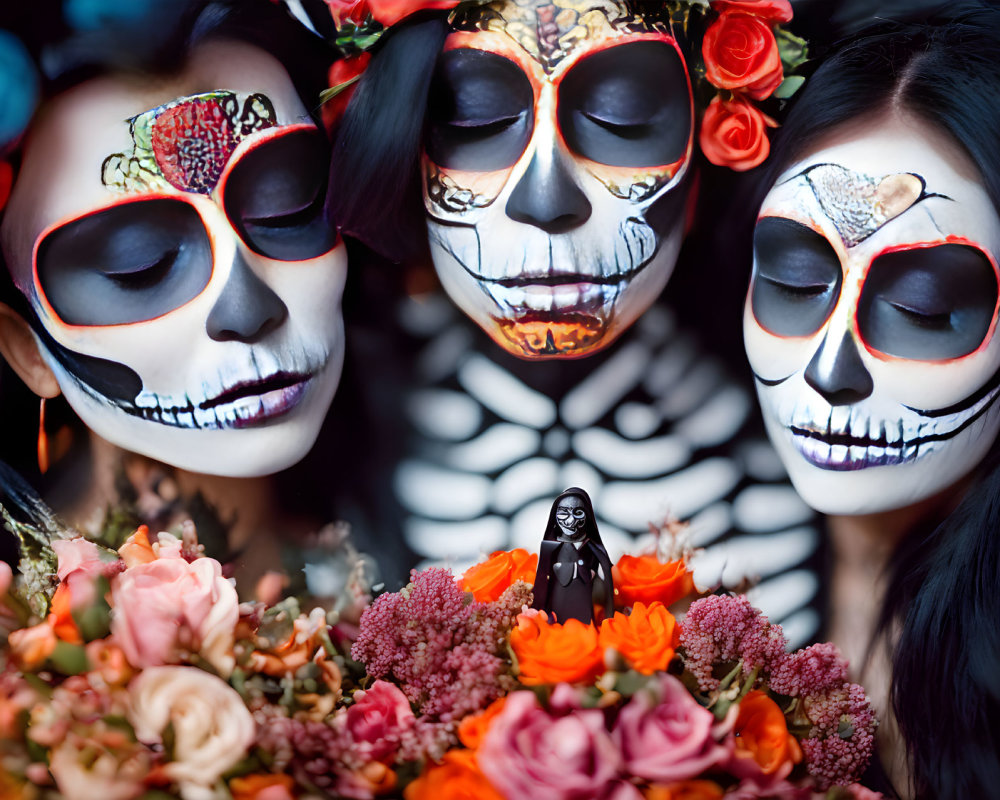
(43, 440)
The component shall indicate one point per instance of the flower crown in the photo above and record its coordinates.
(745, 58)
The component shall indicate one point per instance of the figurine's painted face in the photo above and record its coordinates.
(871, 318)
(169, 237)
(571, 516)
(559, 138)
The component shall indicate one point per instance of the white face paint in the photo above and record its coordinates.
(554, 171)
(871, 318)
(187, 289)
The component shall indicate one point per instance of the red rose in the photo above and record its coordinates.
(389, 12)
(341, 72)
(740, 52)
(771, 10)
(347, 11)
(733, 134)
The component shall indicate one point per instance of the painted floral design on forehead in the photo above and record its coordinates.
(187, 142)
(551, 33)
(858, 204)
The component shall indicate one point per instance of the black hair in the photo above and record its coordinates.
(942, 603)
(375, 192)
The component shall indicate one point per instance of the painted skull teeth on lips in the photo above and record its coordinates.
(239, 398)
(845, 439)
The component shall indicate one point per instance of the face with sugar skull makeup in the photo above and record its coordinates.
(170, 241)
(870, 323)
(558, 145)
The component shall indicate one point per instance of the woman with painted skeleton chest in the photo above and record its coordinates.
(871, 328)
(546, 152)
(174, 276)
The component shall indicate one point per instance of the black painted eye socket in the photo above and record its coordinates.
(128, 263)
(274, 197)
(797, 277)
(480, 112)
(627, 106)
(928, 303)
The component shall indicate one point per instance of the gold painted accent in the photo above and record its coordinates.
(551, 30)
(575, 336)
(858, 204)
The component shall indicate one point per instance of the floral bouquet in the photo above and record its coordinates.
(136, 673)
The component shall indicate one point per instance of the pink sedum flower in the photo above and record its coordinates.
(665, 735)
(378, 719)
(169, 605)
(212, 728)
(528, 753)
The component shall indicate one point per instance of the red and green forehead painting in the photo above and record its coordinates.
(186, 143)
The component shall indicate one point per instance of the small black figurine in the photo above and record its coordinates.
(571, 554)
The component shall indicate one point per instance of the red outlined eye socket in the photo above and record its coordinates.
(274, 195)
(132, 260)
(929, 301)
(629, 103)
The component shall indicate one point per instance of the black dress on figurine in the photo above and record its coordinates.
(571, 554)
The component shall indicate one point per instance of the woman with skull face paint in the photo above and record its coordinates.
(560, 136)
(171, 270)
(871, 328)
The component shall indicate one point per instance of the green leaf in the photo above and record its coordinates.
(788, 87)
(794, 50)
(69, 659)
(333, 91)
(94, 621)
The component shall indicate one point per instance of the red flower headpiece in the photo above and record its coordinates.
(746, 57)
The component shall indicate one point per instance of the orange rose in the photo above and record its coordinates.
(646, 637)
(472, 729)
(761, 730)
(685, 790)
(556, 653)
(30, 647)
(772, 10)
(137, 549)
(733, 134)
(262, 786)
(489, 579)
(741, 53)
(457, 777)
(646, 579)
(61, 617)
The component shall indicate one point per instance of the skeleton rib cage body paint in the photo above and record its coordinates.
(870, 323)
(559, 142)
(185, 285)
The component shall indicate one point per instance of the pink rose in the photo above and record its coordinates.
(80, 565)
(77, 554)
(665, 736)
(170, 605)
(526, 752)
(212, 727)
(86, 769)
(378, 718)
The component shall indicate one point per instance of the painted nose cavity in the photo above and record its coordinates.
(837, 372)
(548, 197)
(247, 310)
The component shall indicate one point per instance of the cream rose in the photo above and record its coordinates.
(213, 729)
